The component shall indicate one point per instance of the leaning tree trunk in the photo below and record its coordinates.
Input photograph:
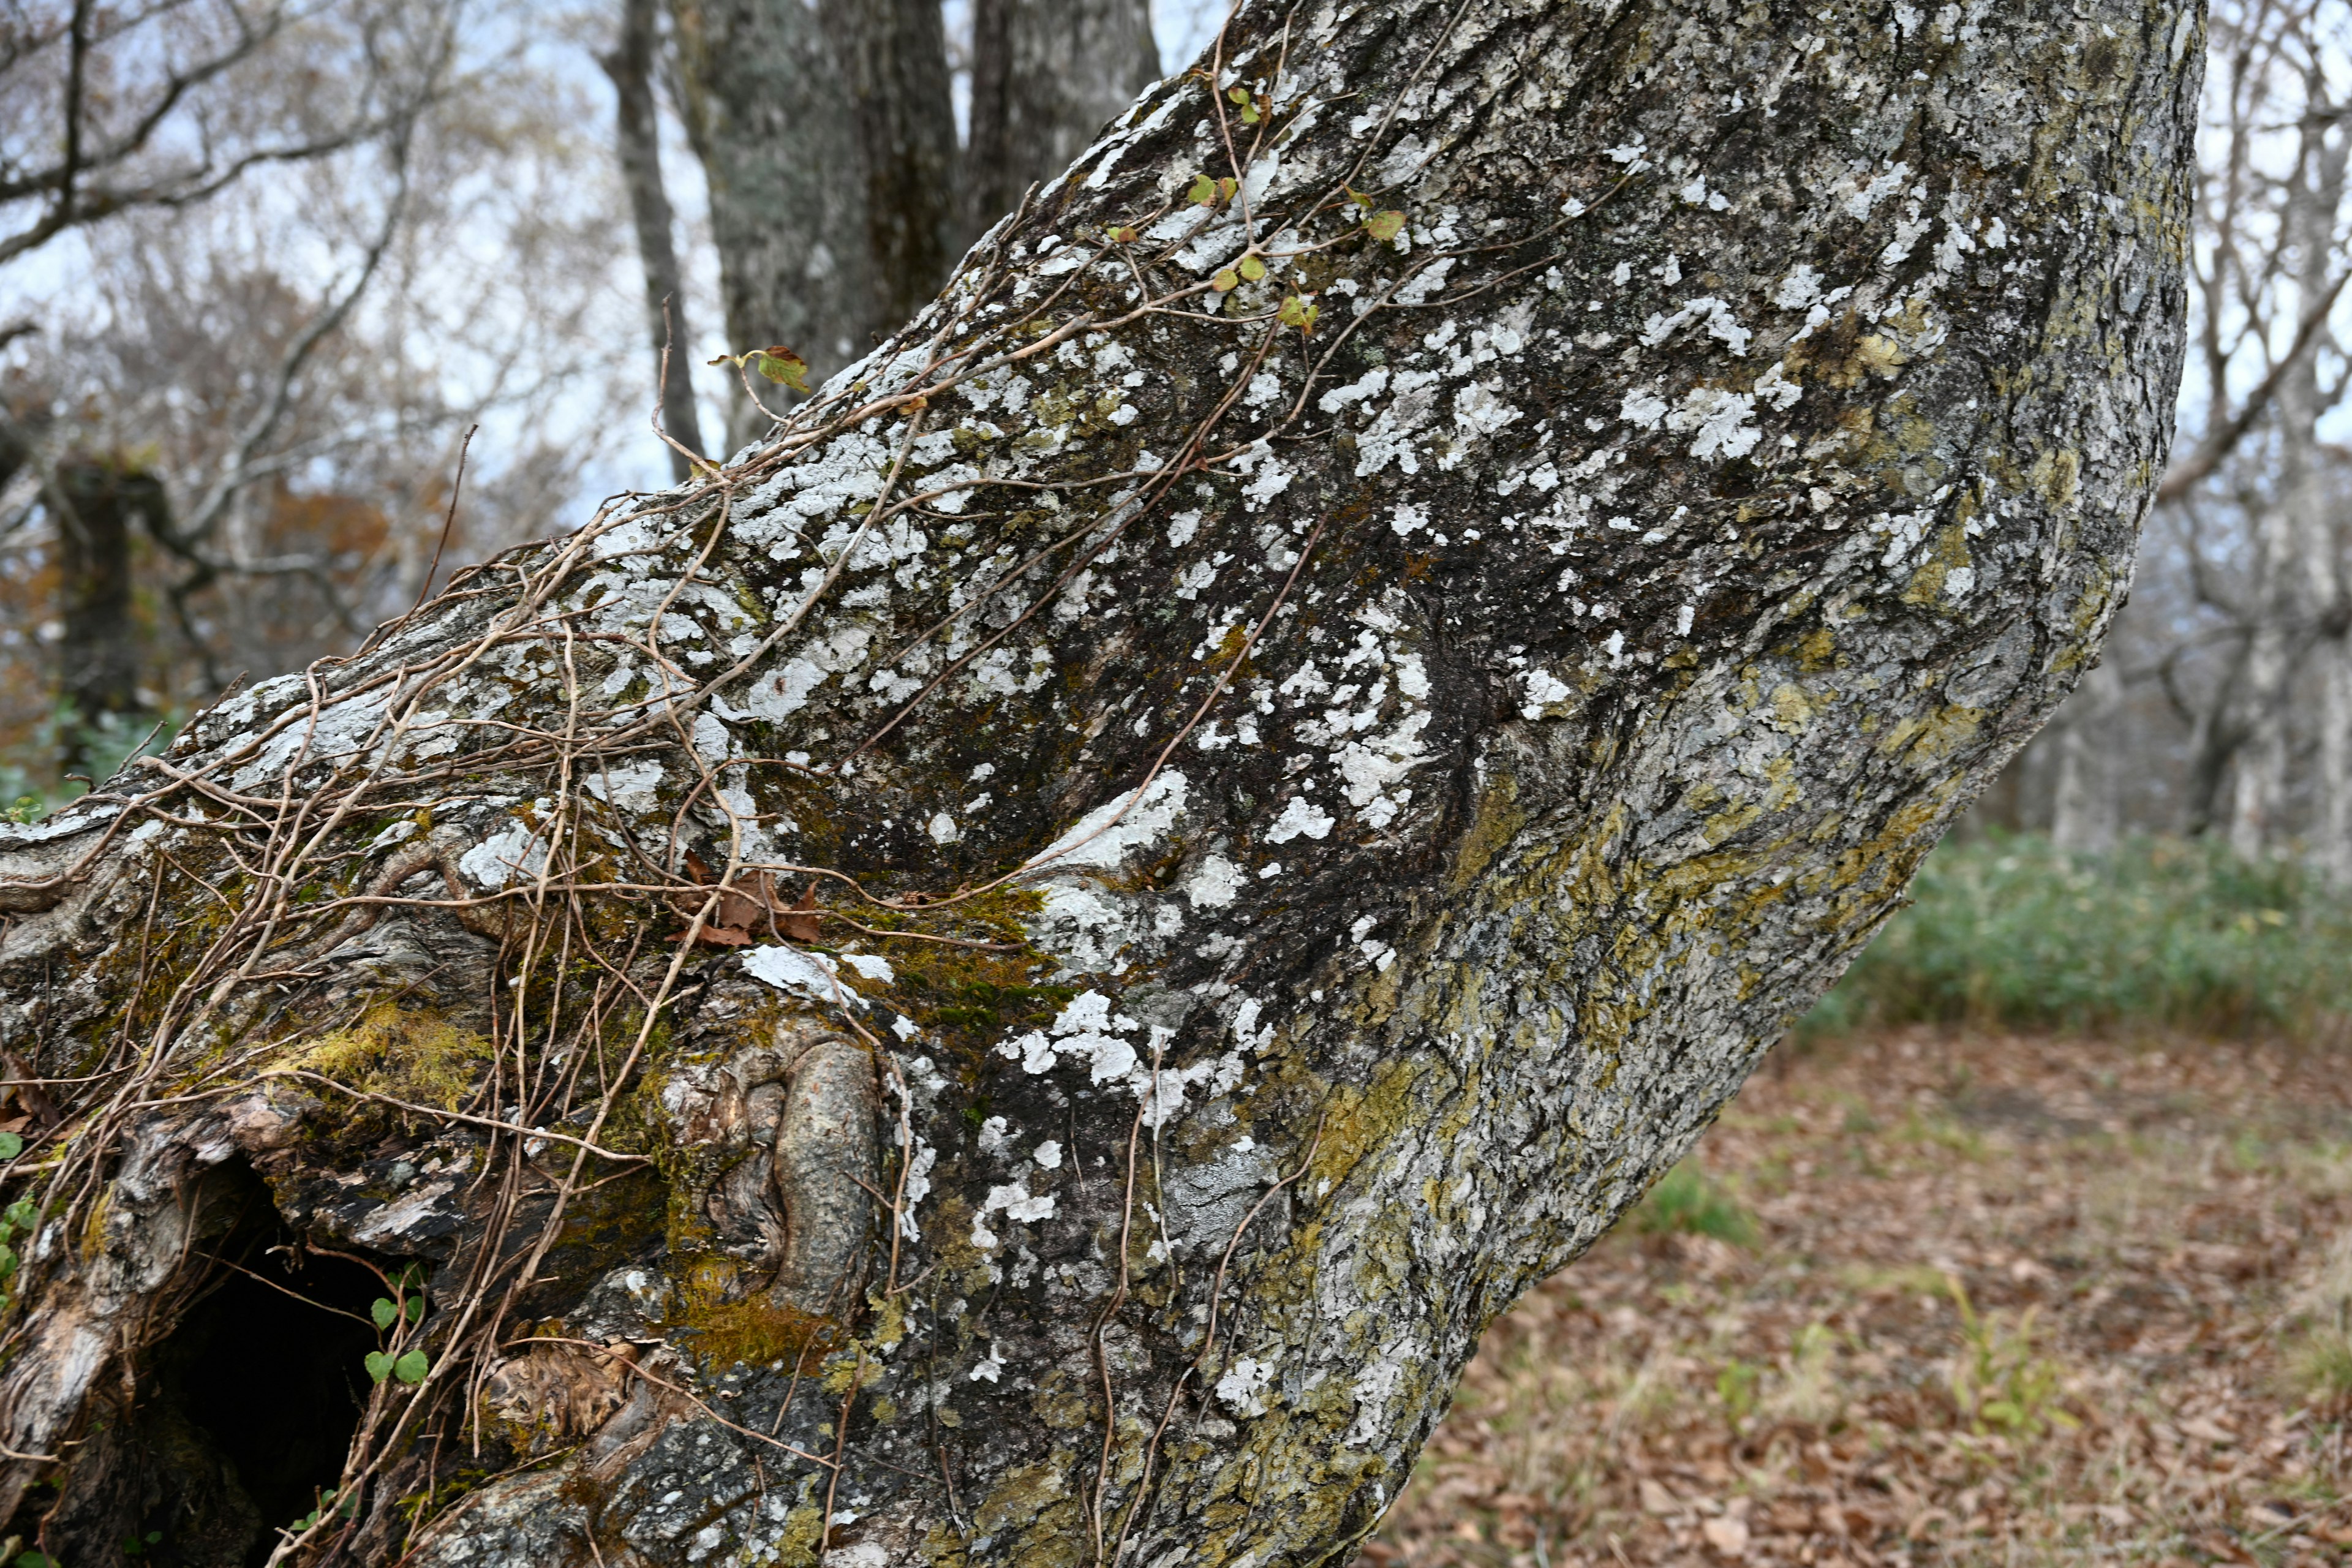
(1014, 978)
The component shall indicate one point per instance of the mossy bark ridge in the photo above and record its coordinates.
(1014, 977)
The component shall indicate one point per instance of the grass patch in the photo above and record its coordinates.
(2012, 931)
(1686, 1201)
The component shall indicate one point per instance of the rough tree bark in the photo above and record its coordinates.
(1046, 77)
(771, 121)
(1015, 978)
(637, 133)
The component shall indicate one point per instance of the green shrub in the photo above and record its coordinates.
(29, 789)
(2010, 930)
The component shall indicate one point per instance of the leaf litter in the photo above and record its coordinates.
(1938, 1298)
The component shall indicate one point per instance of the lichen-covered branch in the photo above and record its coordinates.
(1014, 977)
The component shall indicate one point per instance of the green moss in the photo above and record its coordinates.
(415, 1055)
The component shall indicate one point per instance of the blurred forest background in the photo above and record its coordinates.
(2035, 1240)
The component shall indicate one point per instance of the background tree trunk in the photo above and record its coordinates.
(770, 116)
(637, 128)
(100, 499)
(2296, 591)
(1016, 976)
(893, 58)
(1046, 77)
(2086, 812)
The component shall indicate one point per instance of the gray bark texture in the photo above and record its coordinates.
(1015, 977)
(637, 133)
(1046, 77)
(773, 119)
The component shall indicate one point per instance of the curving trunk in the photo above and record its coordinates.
(1015, 978)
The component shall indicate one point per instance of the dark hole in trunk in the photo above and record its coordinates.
(244, 1411)
(276, 1381)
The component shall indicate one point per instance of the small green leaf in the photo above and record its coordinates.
(1251, 113)
(1298, 312)
(379, 1365)
(1358, 197)
(1203, 192)
(21, 1214)
(783, 366)
(1384, 226)
(411, 1367)
(32, 1560)
(1123, 235)
(415, 1307)
(1225, 281)
(1238, 94)
(1226, 187)
(383, 1312)
(11, 1145)
(7, 1263)
(1252, 268)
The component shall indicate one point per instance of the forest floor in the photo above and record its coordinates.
(1939, 1298)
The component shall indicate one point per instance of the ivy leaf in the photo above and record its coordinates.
(1357, 196)
(11, 1145)
(1203, 192)
(1384, 226)
(21, 1214)
(1252, 268)
(411, 1367)
(1237, 94)
(780, 365)
(379, 1365)
(1225, 281)
(1226, 187)
(1123, 235)
(1298, 312)
(415, 1308)
(383, 1312)
(7, 1263)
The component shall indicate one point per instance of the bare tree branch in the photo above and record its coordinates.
(2225, 436)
